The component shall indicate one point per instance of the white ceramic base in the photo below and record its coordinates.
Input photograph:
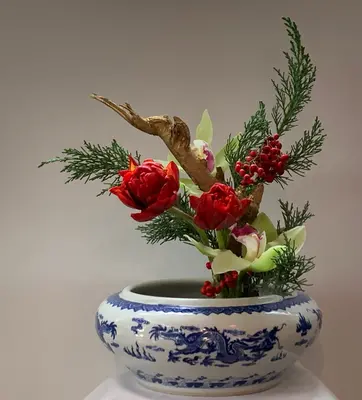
(240, 391)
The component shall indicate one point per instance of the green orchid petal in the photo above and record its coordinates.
(190, 187)
(204, 130)
(297, 236)
(266, 261)
(263, 223)
(205, 250)
(227, 261)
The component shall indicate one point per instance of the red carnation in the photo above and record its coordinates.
(219, 208)
(148, 187)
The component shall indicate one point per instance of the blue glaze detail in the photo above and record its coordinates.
(155, 348)
(104, 327)
(279, 356)
(319, 315)
(139, 353)
(116, 301)
(140, 322)
(211, 347)
(304, 325)
(204, 383)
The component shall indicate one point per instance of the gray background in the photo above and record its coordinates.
(64, 250)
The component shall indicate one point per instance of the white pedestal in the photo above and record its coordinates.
(298, 384)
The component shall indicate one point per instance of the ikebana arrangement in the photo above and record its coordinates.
(212, 201)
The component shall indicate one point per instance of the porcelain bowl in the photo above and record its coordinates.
(175, 341)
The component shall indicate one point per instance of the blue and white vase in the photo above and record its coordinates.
(174, 341)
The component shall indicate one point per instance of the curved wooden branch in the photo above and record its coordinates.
(175, 134)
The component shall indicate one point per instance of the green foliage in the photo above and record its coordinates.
(289, 274)
(302, 152)
(293, 92)
(293, 216)
(94, 162)
(170, 226)
(255, 132)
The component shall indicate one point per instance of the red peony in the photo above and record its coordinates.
(219, 208)
(148, 187)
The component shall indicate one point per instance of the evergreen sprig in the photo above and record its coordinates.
(289, 274)
(170, 226)
(293, 216)
(293, 92)
(302, 151)
(255, 132)
(94, 162)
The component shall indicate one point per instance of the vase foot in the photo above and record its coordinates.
(210, 392)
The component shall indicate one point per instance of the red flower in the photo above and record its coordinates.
(148, 187)
(219, 208)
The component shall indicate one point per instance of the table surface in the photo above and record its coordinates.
(298, 384)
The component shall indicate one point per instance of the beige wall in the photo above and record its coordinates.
(63, 250)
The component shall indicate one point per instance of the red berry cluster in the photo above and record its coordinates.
(263, 165)
(229, 280)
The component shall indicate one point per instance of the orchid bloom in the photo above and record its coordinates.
(259, 249)
(201, 147)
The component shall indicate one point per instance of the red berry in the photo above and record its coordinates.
(208, 265)
(237, 168)
(207, 283)
(253, 153)
(239, 163)
(275, 150)
(269, 178)
(222, 283)
(280, 165)
(234, 274)
(275, 136)
(263, 157)
(242, 172)
(253, 168)
(218, 289)
(284, 158)
(279, 145)
(261, 172)
(248, 158)
(246, 167)
(246, 177)
(266, 149)
(203, 290)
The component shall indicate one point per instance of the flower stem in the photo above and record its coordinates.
(220, 237)
(188, 218)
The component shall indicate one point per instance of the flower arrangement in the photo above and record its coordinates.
(212, 200)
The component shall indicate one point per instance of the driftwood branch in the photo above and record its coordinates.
(175, 134)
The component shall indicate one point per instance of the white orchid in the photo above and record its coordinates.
(259, 250)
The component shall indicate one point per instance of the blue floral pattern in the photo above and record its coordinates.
(204, 383)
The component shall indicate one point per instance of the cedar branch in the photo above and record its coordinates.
(175, 134)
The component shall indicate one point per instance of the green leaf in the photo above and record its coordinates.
(205, 250)
(262, 223)
(190, 187)
(204, 130)
(266, 261)
(227, 261)
(296, 236)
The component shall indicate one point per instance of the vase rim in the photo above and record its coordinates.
(146, 292)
